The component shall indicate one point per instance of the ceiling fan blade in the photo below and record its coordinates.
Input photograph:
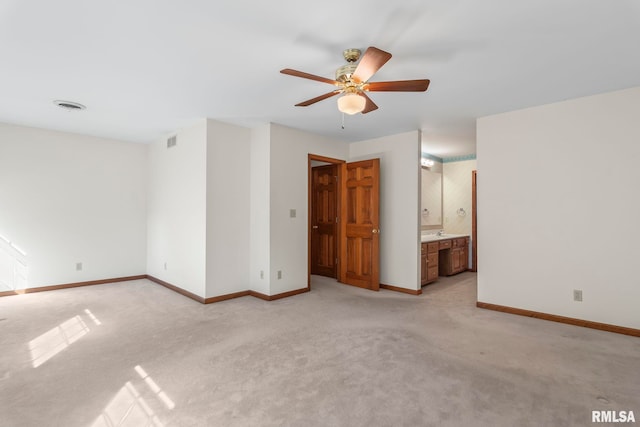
(304, 75)
(370, 105)
(370, 62)
(318, 98)
(398, 86)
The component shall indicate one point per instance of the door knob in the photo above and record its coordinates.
(375, 231)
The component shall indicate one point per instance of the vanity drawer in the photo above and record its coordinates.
(432, 247)
(432, 273)
(432, 259)
(460, 243)
(445, 244)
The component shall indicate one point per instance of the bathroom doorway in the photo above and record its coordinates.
(474, 222)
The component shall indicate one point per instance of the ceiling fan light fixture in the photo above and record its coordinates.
(352, 80)
(351, 103)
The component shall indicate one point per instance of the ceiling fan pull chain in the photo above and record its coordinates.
(343, 121)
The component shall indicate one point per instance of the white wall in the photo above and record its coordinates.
(176, 226)
(206, 215)
(67, 198)
(557, 208)
(260, 210)
(289, 151)
(399, 205)
(457, 194)
(431, 198)
(228, 207)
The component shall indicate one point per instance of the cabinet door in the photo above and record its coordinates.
(432, 274)
(423, 265)
(455, 260)
(464, 259)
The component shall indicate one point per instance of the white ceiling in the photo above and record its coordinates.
(145, 68)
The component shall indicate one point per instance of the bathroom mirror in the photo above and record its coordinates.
(431, 200)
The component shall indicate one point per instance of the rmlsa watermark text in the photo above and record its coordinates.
(613, 417)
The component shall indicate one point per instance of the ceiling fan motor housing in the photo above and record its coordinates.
(343, 74)
(351, 55)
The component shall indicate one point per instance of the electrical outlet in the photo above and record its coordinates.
(78, 266)
(165, 265)
(279, 274)
(577, 295)
(262, 274)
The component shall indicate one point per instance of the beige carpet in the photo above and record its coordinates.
(136, 354)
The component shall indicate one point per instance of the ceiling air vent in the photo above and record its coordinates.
(171, 142)
(69, 105)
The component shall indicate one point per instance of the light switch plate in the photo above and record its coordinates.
(577, 295)
(292, 213)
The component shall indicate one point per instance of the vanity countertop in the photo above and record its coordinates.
(435, 237)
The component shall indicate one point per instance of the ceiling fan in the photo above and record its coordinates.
(352, 80)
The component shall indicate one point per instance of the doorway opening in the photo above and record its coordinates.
(324, 198)
(324, 220)
(344, 220)
(474, 221)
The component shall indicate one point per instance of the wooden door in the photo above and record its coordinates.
(324, 214)
(360, 226)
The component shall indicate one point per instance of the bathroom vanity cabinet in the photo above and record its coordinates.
(444, 257)
(456, 259)
(429, 258)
